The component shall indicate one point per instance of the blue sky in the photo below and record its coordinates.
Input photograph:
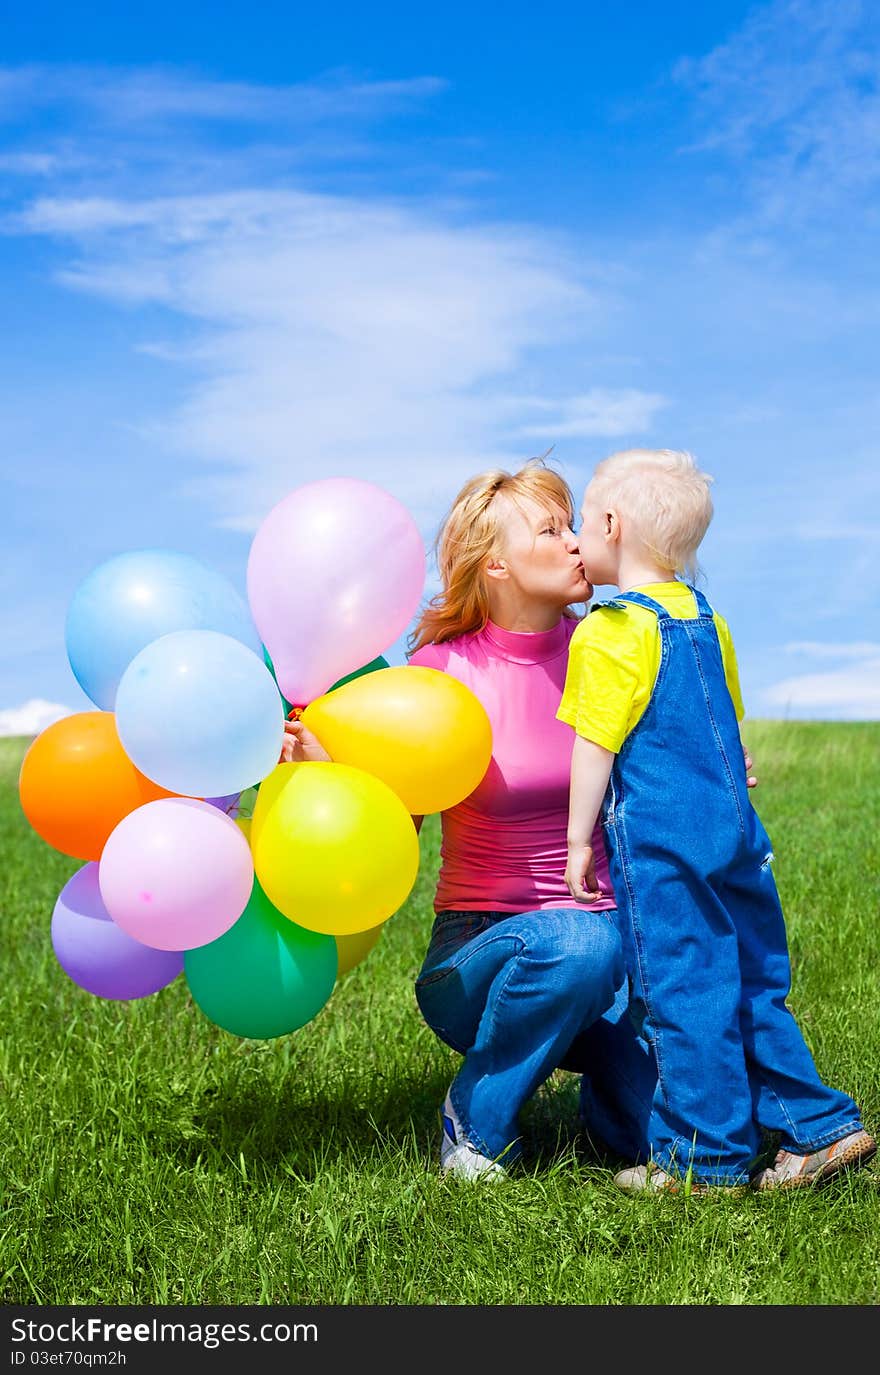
(241, 252)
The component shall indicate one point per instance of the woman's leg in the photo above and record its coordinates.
(618, 1081)
(511, 999)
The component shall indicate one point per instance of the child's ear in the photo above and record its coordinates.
(612, 527)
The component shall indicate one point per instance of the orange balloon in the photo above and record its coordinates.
(77, 783)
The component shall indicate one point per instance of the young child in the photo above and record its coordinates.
(653, 695)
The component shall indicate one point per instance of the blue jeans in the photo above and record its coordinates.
(618, 1080)
(511, 992)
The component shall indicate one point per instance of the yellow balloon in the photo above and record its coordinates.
(420, 730)
(334, 849)
(352, 949)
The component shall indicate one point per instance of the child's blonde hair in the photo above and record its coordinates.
(666, 497)
(469, 534)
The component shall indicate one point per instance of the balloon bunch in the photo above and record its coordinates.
(262, 913)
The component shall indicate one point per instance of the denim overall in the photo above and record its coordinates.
(702, 926)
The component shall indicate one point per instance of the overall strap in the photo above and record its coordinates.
(639, 599)
(702, 605)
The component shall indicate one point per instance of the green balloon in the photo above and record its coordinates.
(288, 706)
(265, 976)
(359, 672)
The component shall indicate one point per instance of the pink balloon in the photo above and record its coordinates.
(335, 572)
(176, 873)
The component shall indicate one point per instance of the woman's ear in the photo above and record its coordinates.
(495, 568)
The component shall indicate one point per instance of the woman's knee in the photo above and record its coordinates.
(603, 949)
(585, 946)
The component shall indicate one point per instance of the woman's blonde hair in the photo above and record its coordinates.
(665, 495)
(469, 534)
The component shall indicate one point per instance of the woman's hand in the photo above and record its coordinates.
(580, 874)
(751, 780)
(301, 745)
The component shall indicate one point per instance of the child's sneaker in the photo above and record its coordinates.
(653, 1179)
(458, 1156)
(790, 1171)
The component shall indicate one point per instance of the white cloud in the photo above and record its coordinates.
(836, 530)
(860, 649)
(32, 717)
(599, 411)
(850, 691)
(146, 95)
(30, 164)
(316, 334)
(792, 98)
(357, 337)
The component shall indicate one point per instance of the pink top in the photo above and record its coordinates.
(504, 847)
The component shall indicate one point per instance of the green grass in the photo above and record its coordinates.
(148, 1157)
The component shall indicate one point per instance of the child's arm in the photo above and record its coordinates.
(751, 780)
(590, 771)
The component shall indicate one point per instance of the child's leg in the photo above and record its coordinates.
(788, 1093)
(686, 976)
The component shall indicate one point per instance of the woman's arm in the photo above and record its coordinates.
(590, 770)
(301, 744)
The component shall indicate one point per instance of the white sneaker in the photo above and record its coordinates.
(653, 1179)
(458, 1156)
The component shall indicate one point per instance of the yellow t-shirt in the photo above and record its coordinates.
(613, 660)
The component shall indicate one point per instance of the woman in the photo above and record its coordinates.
(517, 975)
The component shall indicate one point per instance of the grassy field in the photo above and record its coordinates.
(148, 1157)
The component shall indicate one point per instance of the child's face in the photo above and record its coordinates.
(598, 553)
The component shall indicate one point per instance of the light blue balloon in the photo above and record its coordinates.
(129, 601)
(199, 713)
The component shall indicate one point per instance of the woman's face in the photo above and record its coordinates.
(539, 555)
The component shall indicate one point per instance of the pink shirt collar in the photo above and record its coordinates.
(530, 647)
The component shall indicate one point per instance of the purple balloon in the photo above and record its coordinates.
(96, 953)
(227, 804)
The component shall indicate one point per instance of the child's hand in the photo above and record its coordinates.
(580, 874)
(301, 745)
(751, 780)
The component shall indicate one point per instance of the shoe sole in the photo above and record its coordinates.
(717, 1191)
(854, 1156)
(682, 1190)
(451, 1165)
(484, 1177)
